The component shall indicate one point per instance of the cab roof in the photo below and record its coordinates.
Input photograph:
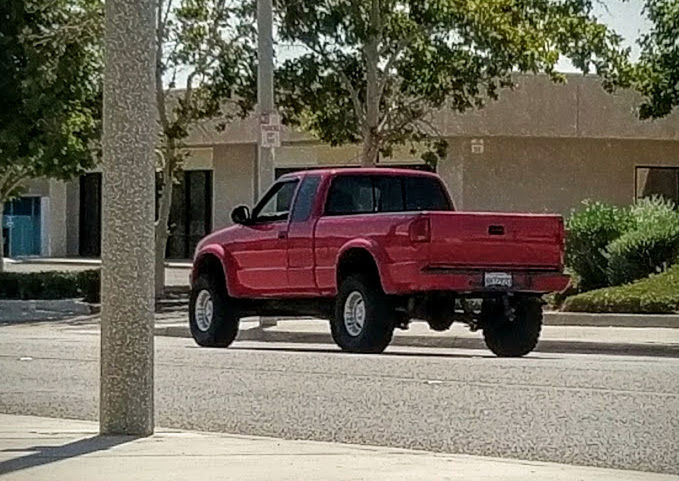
(359, 171)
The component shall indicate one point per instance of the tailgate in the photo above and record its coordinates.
(489, 240)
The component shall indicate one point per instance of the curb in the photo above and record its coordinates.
(669, 321)
(553, 346)
(76, 261)
(31, 310)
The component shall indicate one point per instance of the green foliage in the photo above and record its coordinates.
(658, 294)
(651, 247)
(376, 71)
(657, 73)
(50, 79)
(51, 285)
(590, 231)
(211, 43)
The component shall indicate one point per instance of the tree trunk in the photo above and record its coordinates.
(161, 229)
(370, 151)
(2, 239)
(372, 118)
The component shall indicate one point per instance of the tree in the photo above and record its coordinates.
(50, 73)
(209, 45)
(375, 71)
(657, 72)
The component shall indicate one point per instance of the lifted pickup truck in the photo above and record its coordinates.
(371, 250)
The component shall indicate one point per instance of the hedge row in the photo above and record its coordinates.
(657, 294)
(610, 246)
(51, 285)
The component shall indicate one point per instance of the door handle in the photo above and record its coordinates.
(282, 235)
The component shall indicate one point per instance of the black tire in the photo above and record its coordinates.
(512, 337)
(378, 325)
(223, 327)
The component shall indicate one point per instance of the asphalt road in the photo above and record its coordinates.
(608, 411)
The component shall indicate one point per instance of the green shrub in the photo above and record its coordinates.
(651, 247)
(89, 283)
(50, 285)
(657, 294)
(590, 230)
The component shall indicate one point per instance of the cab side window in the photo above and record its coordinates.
(305, 198)
(275, 205)
(351, 194)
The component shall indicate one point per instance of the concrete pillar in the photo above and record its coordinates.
(126, 402)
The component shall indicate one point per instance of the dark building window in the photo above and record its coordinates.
(190, 213)
(90, 215)
(657, 181)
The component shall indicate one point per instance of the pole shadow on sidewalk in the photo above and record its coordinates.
(43, 455)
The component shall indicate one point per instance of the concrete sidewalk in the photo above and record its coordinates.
(37, 449)
(562, 339)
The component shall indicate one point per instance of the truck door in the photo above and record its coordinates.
(301, 276)
(261, 256)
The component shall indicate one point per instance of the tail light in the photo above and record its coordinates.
(420, 230)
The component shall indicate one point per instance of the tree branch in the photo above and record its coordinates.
(160, 90)
(11, 181)
(355, 98)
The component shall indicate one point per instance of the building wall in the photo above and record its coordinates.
(234, 180)
(56, 239)
(549, 175)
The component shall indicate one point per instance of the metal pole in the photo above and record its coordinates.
(126, 389)
(265, 101)
(265, 98)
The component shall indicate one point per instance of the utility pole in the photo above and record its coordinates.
(126, 388)
(268, 134)
(265, 98)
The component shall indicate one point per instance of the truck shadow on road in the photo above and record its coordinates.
(42, 455)
(319, 350)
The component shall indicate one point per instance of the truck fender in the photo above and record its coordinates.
(224, 257)
(376, 252)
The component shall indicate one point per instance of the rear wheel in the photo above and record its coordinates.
(514, 333)
(213, 320)
(363, 320)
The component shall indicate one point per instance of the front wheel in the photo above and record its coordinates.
(514, 333)
(213, 320)
(363, 321)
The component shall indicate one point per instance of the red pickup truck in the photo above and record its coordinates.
(372, 249)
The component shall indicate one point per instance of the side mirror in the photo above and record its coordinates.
(241, 214)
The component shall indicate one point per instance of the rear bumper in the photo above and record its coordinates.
(472, 280)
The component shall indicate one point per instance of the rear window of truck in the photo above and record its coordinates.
(362, 194)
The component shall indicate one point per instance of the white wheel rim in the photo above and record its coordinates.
(354, 313)
(204, 310)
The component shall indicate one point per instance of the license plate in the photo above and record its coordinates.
(497, 279)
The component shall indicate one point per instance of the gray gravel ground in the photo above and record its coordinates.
(620, 412)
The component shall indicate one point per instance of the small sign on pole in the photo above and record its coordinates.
(271, 136)
(270, 130)
(271, 118)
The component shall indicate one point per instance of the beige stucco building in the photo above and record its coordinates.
(541, 148)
